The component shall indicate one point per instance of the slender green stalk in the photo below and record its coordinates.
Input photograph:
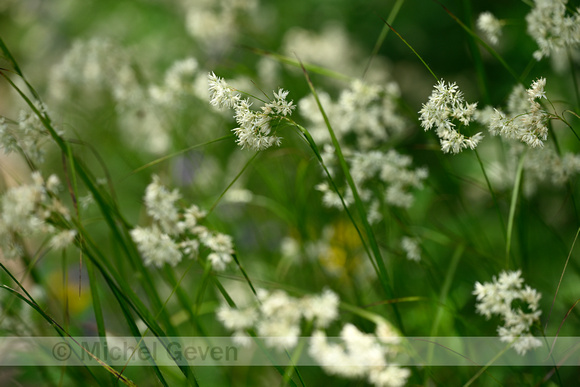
(490, 363)
(293, 62)
(233, 182)
(316, 151)
(487, 47)
(442, 298)
(492, 192)
(179, 152)
(27, 298)
(474, 49)
(384, 32)
(412, 49)
(513, 205)
(382, 270)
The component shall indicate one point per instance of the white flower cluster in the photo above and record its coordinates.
(412, 248)
(176, 233)
(28, 210)
(542, 166)
(180, 81)
(390, 173)
(215, 24)
(364, 114)
(545, 165)
(28, 136)
(445, 105)
(490, 25)
(526, 120)
(552, 28)
(498, 297)
(330, 48)
(91, 68)
(361, 355)
(96, 65)
(277, 316)
(255, 130)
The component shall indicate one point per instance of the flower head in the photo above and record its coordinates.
(255, 127)
(445, 107)
(490, 25)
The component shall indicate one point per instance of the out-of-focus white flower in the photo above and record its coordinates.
(411, 248)
(552, 28)
(490, 25)
(176, 232)
(277, 316)
(156, 247)
(359, 355)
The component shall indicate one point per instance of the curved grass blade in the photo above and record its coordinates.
(59, 329)
(382, 270)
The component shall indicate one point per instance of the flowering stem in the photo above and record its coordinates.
(412, 49)
(513, 204)
(233, 182)
(442, 297)
(316, 151)
(501, 222)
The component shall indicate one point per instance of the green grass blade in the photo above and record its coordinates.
(487, 47)
(59, 329)
(513, 205)
(382, 270)
(384, 32)
(412, 49)
(293, 62)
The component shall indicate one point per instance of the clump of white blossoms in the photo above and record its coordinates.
(96, 65)
(526, 120)
(33, 210)
(411, 248)
(501, 297)
(100, 67)
(179, 81)
(216, 24)
(175, 233)
(276, 317)
(389, 173)
(552, 28)
(361, 355)
(255, 127)
(27, 136)
(363, 117)
(446, 107)
(490, 25)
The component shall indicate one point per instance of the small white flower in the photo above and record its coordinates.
(160, 204)
(552, 28)
(63, 239)
(156, 247)
(490, 25)
(411, 248)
